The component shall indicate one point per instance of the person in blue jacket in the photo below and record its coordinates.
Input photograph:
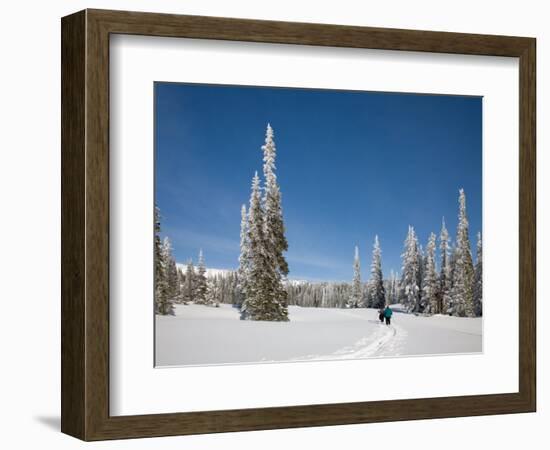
(387, 314)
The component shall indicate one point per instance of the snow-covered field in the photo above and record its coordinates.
(202, 335)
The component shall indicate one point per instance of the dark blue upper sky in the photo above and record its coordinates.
(350, 165)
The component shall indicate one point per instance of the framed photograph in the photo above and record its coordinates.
(273, 225)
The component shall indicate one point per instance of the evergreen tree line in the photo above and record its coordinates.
(225, 287)
(166, 273)
(450, 284)
(456, 286)
(172, 284)
(453, 288)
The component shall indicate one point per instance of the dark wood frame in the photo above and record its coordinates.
(85, 224)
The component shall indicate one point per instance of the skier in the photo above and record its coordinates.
(387, 314)
(381, 315)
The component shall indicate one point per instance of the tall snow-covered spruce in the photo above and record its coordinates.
(200, 287)
(377, 292)
(445, 282)
(356, 295)
(171, 272)
(262, 264)
(256, 252)
(212, 297)
(265, 297)
(163, 300)
(478, 288)
(430, 285)
(463, 282)
(392, 288)
(409, 294)
(420, 277)
(244, 259)
(276, 243)
(189, 286)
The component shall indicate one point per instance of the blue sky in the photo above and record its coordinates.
(350, 165)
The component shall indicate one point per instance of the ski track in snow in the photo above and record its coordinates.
(386, 341)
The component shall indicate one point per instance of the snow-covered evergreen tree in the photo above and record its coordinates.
(452, 260)
(409, 289)
(377, 292)
(356, 294)
(200, 281)
(181, 282)
(445, 281)
(394, 291)
(276, 243)
(463, 282)
(265, 296)
(390, 285)
(256, 252)
(451, 307)
(244, 259)
(420, 277)
(430, 284)
(262, 264)
(212, 297)
(274, 230)
(159, 266)
(171, 272)
(478, 289)
(163, 301)
(189, 287)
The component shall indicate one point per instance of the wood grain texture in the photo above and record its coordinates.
(85, 224)
(73, 275)
(527, 225)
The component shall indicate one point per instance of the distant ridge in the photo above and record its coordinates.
(210, 271)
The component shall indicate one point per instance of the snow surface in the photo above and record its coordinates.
(202, 335)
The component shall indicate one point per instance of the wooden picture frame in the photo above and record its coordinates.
(85, 224)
